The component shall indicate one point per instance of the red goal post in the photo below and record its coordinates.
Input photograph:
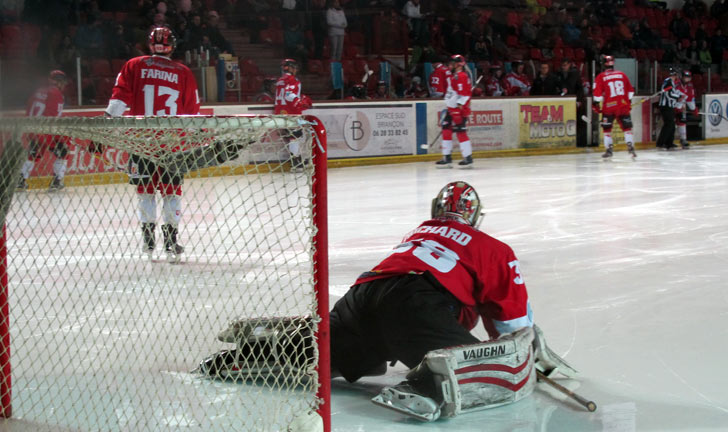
(99, 336)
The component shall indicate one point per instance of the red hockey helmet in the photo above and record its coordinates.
(457, 199)
(608, 61)
(687, 75)
(58, 76)
(457, 60)
(162, 41)
(288, 65)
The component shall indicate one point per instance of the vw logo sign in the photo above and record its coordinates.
(717, 109)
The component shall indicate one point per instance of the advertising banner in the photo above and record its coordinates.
(547, 123)
(716, 124)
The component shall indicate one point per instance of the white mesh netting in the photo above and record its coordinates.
(103, 337)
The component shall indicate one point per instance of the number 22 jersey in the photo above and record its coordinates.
(482, 272)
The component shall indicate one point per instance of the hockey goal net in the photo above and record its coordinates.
(98, 334)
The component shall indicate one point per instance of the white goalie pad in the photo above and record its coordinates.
(486, 375)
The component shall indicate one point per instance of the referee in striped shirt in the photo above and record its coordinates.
(669, 98)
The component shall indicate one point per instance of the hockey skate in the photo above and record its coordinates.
(148, 239)
(56, 184)
(684, 144)
(445, 162)
(630, 150)
(22, 184)
(403, 398)
(467, 162)
(297, 164)
(608, 153)
(171, 247)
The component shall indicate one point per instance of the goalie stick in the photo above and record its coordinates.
(713, 114)
(427, 146)
(589, 405)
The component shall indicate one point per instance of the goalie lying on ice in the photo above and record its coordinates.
(418, 306)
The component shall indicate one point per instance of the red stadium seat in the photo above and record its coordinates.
(101, 68)
(316, 67)
(116, 65)
(248, 67)
(512, 41)
(103, 89)
(536, 54)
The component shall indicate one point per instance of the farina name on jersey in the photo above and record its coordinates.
(159, 74)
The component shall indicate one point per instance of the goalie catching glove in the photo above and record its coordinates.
(264, 346)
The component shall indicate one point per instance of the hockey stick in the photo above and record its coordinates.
(713, 114)
(589, 405)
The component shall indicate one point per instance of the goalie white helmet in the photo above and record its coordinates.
(457, 199)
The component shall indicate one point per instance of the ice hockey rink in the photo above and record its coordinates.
(626, 264)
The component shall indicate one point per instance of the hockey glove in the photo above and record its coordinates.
(456, 114)
(596, 108)
(305, 102)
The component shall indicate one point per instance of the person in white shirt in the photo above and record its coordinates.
(336, 19)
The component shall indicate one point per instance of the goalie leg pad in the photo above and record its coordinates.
(479, 376)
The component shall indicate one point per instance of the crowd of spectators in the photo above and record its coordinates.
(486, 32)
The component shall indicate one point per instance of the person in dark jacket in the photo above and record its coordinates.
(546, 83)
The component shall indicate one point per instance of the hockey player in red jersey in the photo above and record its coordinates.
(516, 82)
(613, 100)
(47, 101)
(155, 85)
(494, 85)
(457, 99)
(289, 100)
(686, 87)
(418, 306)
(438, 80)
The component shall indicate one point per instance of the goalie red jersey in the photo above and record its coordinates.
(482, 272)
(614, 91)
(288, 95)
(156, 86)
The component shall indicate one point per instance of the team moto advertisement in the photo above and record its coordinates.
(547, 124)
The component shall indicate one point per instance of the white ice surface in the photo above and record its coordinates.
(624, 262)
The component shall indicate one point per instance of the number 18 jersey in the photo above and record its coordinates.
(482, 272)
(614, 89)
(157, 86)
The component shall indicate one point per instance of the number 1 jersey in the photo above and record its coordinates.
(482, 272)
(157, 86)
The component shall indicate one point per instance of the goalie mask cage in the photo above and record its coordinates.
(96, 335)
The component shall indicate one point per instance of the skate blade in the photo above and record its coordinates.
(379, 400)
(466, 166)
(447, 166)
(174, 258)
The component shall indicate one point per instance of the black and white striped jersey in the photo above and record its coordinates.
(670, 95)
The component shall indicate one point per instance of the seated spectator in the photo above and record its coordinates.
(529, 29)
(480, 49)
(64, 55)
(494, 81)
(571, 33)
(416, 90)
(195, 31)
(294, 43)
(680, 27)
(701, 34)
(546, 83)
(382, 91)
(704, 55)
(213, 32)
(118, 46)
(517, 83)
(90, 39)
(357, 92)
